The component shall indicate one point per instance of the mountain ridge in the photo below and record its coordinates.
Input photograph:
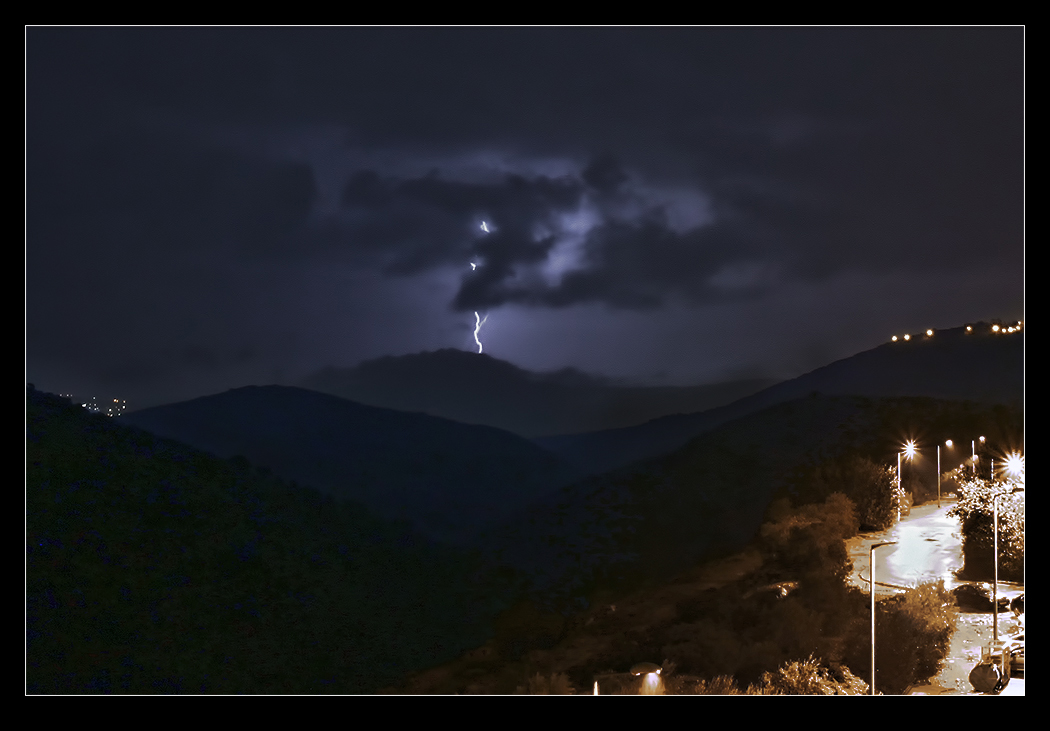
(475, 388)
(446, 478)
(984, 367)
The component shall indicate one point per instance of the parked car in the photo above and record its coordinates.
(1017, 605)
(977, 597)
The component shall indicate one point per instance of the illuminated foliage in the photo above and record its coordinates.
(914, 631)
(976, 514)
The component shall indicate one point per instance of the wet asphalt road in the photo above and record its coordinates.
(929, 547)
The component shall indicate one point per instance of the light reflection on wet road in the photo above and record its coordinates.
(929, 547)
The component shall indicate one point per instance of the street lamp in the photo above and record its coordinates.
(910, 452)
(651, 683)
(1014, 465)
(871, 570)
(947, 443)
(995, 555)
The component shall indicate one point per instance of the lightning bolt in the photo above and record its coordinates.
(477, 327)
(478, 319)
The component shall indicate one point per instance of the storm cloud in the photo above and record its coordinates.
(218, 206)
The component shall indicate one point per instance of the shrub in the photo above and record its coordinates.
(976, 514)
(811, 677)
(797, 677)
(873, 489)
(808, 544)
(692, 685)
(913, 632)
(922, 488)
(877, 494)
(553, 684)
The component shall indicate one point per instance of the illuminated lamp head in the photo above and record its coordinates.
(651, 684)
(1015, 465)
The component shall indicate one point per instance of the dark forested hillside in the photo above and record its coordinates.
(154, 568)
(954, 364)
(447, 479)
(649, 520)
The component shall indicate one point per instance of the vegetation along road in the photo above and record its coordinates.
(929, 547)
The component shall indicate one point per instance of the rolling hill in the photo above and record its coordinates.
(952, 364)
(152, 567)
(448, 479)
(476, 388)
(654, 518)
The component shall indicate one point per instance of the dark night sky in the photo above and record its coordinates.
(212, 207)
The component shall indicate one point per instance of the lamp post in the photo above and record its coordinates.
(948, 444)
(651, 684)
(871, 570)
(973, 448)
(1012, 466)
(909, 452)
(900, 484)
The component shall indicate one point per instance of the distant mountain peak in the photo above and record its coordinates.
(477, 388)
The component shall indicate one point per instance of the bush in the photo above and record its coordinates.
(810, 677)
(553, 684)
(976, 514)
(873, 489)
(808, 543)
(913, 632)
(878, 496)
(797, 677)
(922, 488)
(719, 685)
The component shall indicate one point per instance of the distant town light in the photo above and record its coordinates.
(969, 328)
(929, 333)
(995, 328)
(907, 337)
(894, 338)
(116, 407)
(948, 443)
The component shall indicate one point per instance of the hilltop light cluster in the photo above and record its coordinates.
(116, 407)
(995, 329)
